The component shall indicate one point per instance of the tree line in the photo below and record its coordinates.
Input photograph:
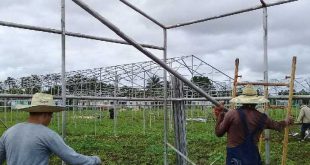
(78, 84)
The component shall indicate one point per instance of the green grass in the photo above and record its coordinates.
(134, 145)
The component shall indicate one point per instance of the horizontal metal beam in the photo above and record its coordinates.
(286, 97)
(229, 14)
(72, 34)
(19, 96)
(263, 84)
(142, 13)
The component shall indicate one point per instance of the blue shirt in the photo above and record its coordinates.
(32, 144)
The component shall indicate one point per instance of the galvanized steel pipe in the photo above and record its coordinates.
(229, 14)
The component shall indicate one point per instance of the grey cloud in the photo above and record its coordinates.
(33, 12)
(218, 42)
(173, 12)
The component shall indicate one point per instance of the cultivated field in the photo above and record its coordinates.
(139, 140)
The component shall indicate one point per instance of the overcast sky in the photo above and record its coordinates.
(218, 42)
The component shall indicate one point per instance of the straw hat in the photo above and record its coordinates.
(41, 102)
(249, 96)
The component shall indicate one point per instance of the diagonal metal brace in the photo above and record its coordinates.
(3, 124)
(263, 3)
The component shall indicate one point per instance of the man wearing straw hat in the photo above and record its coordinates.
(32, 142)
(244, 126)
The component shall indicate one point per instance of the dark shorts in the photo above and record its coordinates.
(305, 126)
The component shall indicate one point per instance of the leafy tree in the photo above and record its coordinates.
(203, 82)
(1, 87)
(35, 82)
(26, 84)
(11, 85)
(76, 82)
(125, 91)
(56, 84)
(81, 83)
(10, 82)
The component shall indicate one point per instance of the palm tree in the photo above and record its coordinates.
(154, 83)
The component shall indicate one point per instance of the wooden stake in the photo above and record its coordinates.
(179, 121)
(289, 109)
(234, 91)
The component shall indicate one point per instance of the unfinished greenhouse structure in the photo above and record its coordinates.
(162, 94)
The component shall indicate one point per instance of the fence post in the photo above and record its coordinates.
(179, 121)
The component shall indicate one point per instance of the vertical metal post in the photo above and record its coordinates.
(11, 116)
(170, 110)
(63, 67)
(74, 113)
(192, 74)
(165, 101)
(100, 85)
(5, 109)
(289, 109)
(95, 91)
(144, 103)
(58, 116)
(95, 125)
(132, 92)
(115, 104)
(267, 131)
(81, 89)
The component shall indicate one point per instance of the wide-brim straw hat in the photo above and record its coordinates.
(249, 96)
(41, 102)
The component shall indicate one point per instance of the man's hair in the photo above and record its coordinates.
(250, 105)
(39, 113)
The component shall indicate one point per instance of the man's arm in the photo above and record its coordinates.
(2, 151)
(67, 154)
(279, 125)
(222, 123)
(301, 115)
(219, 131)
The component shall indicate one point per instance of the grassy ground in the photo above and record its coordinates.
(133, 144)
